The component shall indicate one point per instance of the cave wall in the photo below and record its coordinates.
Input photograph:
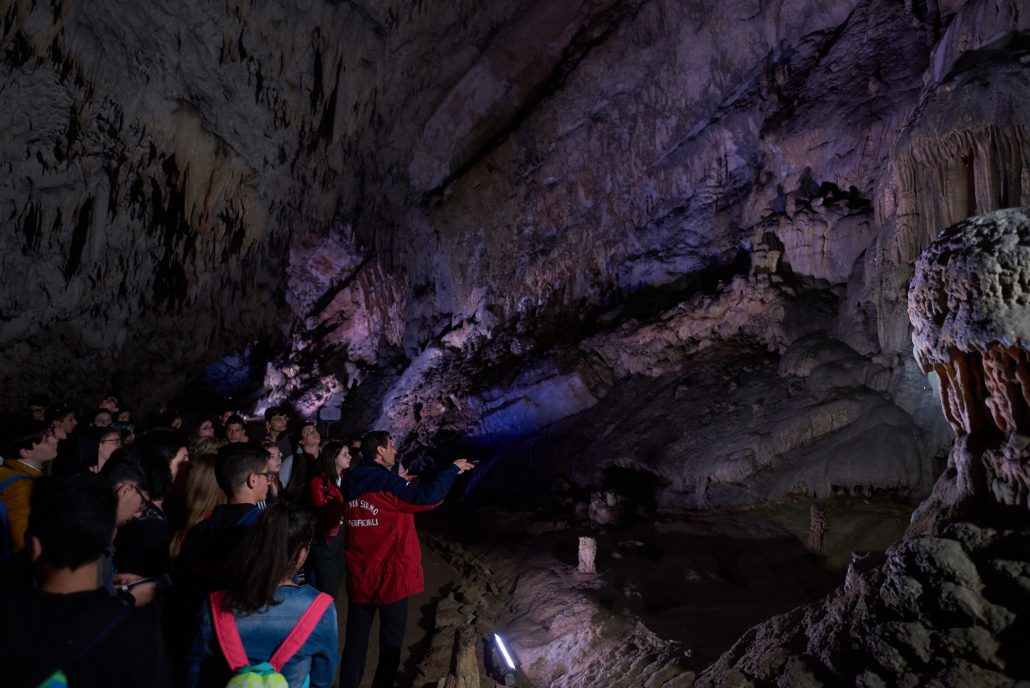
(497, 214)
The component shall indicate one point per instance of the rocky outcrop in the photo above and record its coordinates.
(932, 611)
(946, 606)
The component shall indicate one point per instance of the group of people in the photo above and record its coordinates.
(161, 558)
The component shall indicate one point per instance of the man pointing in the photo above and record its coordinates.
(384, 561)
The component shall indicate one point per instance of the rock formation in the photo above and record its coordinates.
(946, 606)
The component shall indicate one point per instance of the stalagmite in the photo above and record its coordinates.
(587, 555)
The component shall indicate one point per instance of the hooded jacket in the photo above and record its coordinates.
(384, 560)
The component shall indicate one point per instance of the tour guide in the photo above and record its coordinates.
(384, 561)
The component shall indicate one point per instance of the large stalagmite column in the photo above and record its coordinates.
(969, 303)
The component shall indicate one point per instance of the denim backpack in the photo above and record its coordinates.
(6, 548)
(263, 674)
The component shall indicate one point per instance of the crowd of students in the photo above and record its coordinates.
(163, 558)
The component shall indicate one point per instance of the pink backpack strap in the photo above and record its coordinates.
(301, 632)
(227, 633)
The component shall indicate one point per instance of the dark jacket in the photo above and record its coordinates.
(384, 561)
(41, 633)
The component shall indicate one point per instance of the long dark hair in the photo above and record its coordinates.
(326, 463)
(267, 555)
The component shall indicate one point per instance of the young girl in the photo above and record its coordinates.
(326, 492)
(266, 605)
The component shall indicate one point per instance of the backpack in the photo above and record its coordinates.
(6, 547)
(264, 674)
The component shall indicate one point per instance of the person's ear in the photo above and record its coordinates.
(302, 555)
(35, 548)
(252, 480)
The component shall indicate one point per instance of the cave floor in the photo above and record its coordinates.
(697, 578)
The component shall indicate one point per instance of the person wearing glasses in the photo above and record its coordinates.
(110, 441)
(200, 568)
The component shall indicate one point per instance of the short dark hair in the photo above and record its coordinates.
(273, 411)
(123, 468)
(155, 451)
(74, 519)
(38, 399)
(371, 442)
(235, 419)
(57, 412)
(235, 463)
(97, 411)
(23, 435)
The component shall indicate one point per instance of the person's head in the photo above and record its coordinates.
(377, 447)
(109, 402)
(61, 417)
(37, 407)
(275, 456)
(206, 445)
(202, 493)
(71, 522)
(162, 453)
(123, 416)
(225, 414)
(236, 429)
(110, 440)
(241, 473)
(205, 428)
(31, 441)
(168, 419)
(101, 418)
(333, 459)
(125, 477)
(309, 436)
(272, 551)
(276, 419)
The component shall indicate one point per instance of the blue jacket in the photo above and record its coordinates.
(262, 632)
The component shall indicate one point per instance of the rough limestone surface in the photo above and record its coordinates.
(947, 605)
(968, 303)
(932, 611)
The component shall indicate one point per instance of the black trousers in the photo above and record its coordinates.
(327, 563)
(392, 619)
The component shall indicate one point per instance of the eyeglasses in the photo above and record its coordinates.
(143, 497)
(117, 440)
(268, 475)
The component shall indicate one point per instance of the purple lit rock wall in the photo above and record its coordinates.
(481, 219)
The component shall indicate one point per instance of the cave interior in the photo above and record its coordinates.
(726, 299)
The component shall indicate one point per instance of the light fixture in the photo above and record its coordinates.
(504, 651)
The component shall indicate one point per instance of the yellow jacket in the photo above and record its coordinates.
(17, 497)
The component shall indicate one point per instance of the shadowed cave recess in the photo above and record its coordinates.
(729, 287)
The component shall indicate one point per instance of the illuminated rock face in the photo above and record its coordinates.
(942, 607)
(970, 309)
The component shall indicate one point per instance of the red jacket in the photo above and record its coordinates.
(384, 561)
(329, 505)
